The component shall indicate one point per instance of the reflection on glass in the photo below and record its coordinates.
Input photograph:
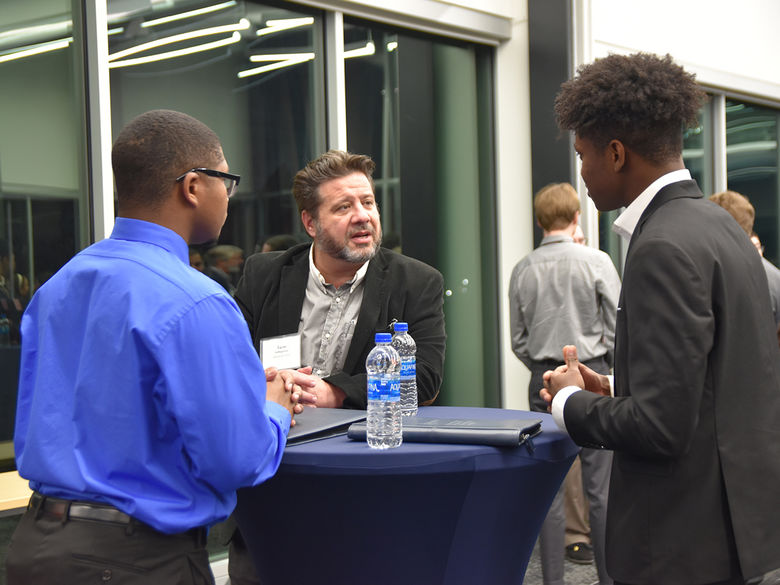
(420, 106)
(252, 72)
(371, 77)
(752, 162)
(43, 195)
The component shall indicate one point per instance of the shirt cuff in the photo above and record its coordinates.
(280, 414)
(558, 403)
(611, 379)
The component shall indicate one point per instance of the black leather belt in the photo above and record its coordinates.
(65, 510)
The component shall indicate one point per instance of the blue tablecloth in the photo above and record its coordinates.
(339, 513)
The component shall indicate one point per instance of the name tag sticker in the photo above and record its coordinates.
(281, 352)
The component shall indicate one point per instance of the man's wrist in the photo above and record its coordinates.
(338, 394)
(559, 402)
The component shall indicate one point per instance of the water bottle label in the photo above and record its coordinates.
(386, 390)
(408, 368)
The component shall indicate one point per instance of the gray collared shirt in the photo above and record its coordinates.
(563, 293)
(328, 319)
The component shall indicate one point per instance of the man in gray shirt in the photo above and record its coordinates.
(565, 293)
(742, 210)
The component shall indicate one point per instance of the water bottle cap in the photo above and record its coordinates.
(382, 338)
(399, 326)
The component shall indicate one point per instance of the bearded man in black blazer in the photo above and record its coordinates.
(281, 292)
(693, 413)
(337, 292)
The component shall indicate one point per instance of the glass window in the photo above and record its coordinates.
(698, 150)
(421, 107)
(251, 72)
(752, 163)
(371, 74)
(44, 218)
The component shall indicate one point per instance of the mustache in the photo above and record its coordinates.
(362, 228)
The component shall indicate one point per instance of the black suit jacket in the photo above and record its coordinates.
(273, 287)
(695, 423)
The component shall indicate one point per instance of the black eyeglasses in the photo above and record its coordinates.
(231, 181)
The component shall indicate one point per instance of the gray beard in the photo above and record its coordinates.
(341, 251)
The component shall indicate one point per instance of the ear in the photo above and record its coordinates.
(617, 155)
(308, 223)
(188, 189)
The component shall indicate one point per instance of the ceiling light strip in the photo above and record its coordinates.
(190, 14)
(278, 25)
(271, 67)
(242, 24)
(234, 38)
(37, 50)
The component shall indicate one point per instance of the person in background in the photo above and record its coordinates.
(336, 292)
(125, 395)
(223, 264)
(757, 242)
(744, 213)
(10, 300)
(277, 243)
(392, 241)
(556, 281)
(692, 412)
(579, 236)
(196, 259)
(579, 548)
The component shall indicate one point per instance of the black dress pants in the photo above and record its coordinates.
(49, 550)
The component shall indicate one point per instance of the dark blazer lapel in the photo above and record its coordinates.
(370, 309)
(666, 194)
(292, 291)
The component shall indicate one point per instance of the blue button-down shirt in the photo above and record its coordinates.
(140, 387)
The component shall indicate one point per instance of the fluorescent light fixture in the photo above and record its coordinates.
(190, 14)
(369, 49)
(275, 26)
(242, 24)
(36, 49)
(392, 46)
(234, 38)
(283, 60)
(282, 57)
(50, 30)
(116, 31)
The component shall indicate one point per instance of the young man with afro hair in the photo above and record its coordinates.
(692, 412)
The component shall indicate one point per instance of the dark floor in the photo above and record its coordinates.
(573, 573)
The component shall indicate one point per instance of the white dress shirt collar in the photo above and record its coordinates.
(625, 224)
(359, 275)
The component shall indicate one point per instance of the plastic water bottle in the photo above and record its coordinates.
(407, 349)
(383, 366)
(5, 330)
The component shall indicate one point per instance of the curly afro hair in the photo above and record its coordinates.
(643, 100)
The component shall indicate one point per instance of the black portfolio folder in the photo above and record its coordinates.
(476, 431)
(320, 423)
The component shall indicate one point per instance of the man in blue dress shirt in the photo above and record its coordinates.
(142, 403)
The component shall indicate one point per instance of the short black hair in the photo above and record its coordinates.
(643, 100)
(156, 147)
